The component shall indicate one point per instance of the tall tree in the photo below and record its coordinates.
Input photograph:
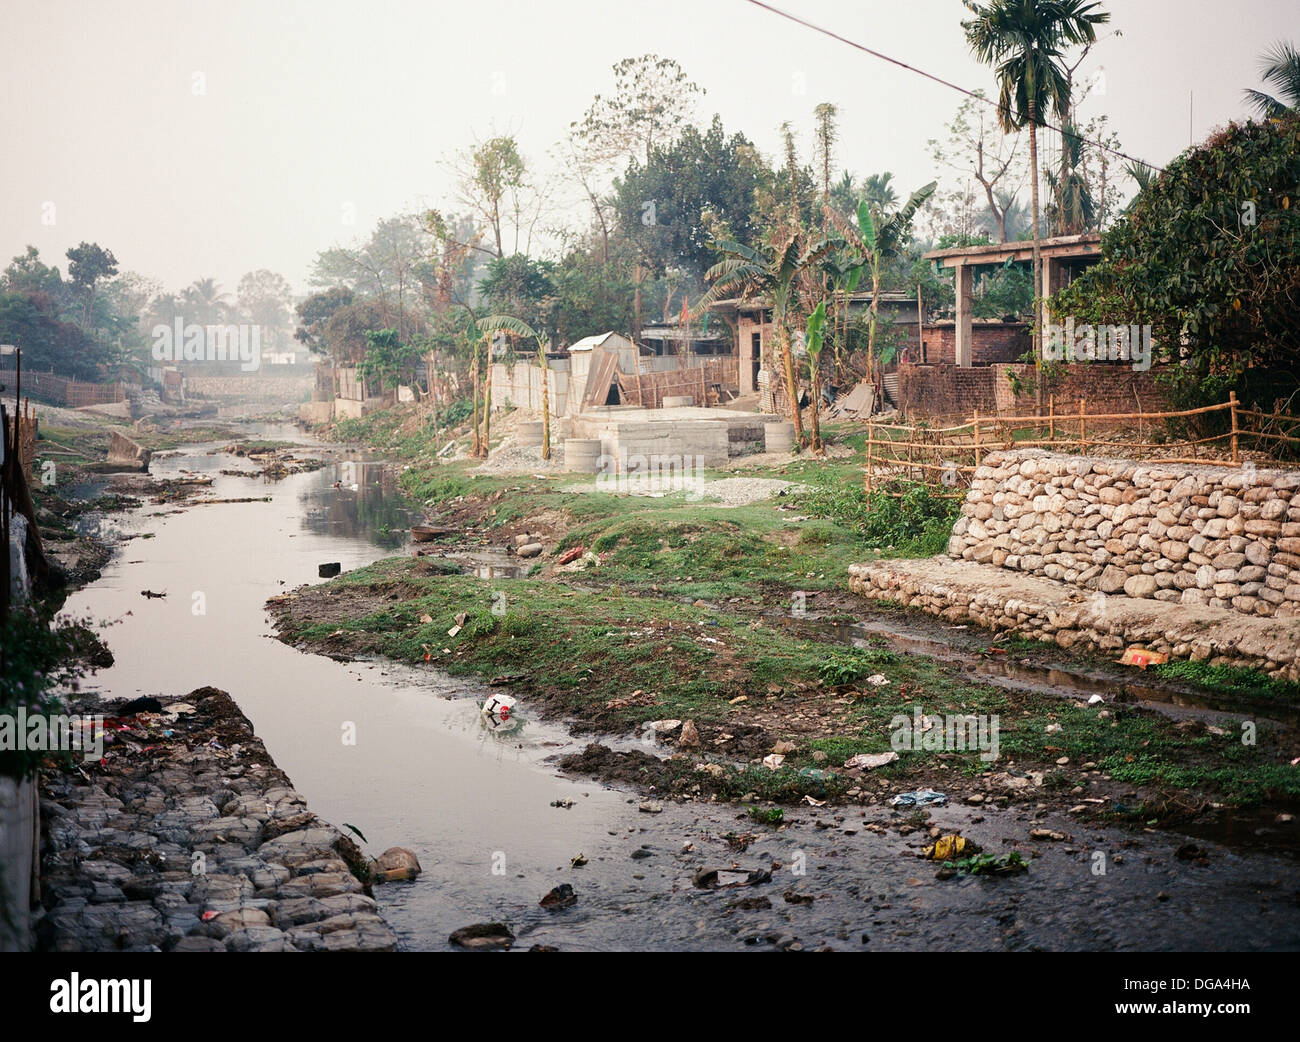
(1026, 41)
(827, 133)
(88, 263)
(878, 191)
(266, 299)
(314, 314)
(983, 151)
(653, 101)
(495, 180)
(391, 267)
(27, 273)
(1280, 69)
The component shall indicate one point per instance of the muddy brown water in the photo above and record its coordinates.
(476, 805)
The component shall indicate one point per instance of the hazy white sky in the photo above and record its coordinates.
(310, 107)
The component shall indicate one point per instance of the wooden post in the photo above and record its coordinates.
(1051, 417)
(704, 389)
(433, 388)
(871, 441)
(977, 439)
(1083, 425)
(920, 327)
(1232, 404)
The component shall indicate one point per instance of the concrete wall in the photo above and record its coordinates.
(346, 409)
(709, 436)
(124, 452)
(315, 413)
(521, 386)
(274, 384)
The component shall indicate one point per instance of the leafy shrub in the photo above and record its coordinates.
(905, 516)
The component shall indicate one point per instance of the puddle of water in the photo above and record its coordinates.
(488, 564)
(1005, 670)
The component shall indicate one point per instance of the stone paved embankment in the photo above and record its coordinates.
(187, 837)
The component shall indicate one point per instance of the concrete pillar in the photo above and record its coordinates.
(964, 284)
(1051, 279)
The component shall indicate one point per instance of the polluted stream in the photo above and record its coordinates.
(496, 825)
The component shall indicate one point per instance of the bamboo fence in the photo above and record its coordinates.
(947, 457)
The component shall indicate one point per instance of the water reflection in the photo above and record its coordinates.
(358, 500)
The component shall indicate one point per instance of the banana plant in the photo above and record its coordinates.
(815, 331)
(877, 239)
(842, 277)
(476, 339)
(769, 273)
(517, 327)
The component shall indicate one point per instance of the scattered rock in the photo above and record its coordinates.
(483, 937)
(562, 896)
(394, 864)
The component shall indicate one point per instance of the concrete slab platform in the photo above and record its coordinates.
(1045, 609)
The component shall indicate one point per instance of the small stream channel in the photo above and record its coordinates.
(476, 806)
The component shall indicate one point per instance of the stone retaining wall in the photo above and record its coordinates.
(187, 837)
(273, 384)
(1195, 535)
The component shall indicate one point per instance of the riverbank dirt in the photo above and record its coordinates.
(778, 717)
(654, 612)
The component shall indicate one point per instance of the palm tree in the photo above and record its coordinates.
(877, 190)
(1026, 41)
(1144, 175)
(1075, 209)
(769, 274)
(844, 194)
(1008, 223)
(1280, 68)
(516, 327)
(206, 297)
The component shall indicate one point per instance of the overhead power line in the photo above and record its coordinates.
(936, 79)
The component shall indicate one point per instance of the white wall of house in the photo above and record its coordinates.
(521, 386)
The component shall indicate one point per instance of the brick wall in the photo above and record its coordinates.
(949, 390)
(1108, 388)
(991, 342)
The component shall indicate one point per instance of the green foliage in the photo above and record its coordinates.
(1026, 41)
(990, 864)
(1280, 69)
(914, 520)
(1229, 679)
(669, 204)
(851, 665)
(34, 657)
(767, 815)
(315, 312)
(388, 358)
(1209, 256)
